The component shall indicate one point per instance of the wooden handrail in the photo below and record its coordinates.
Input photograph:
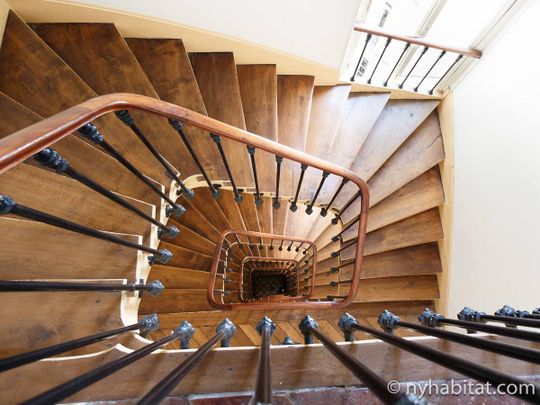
(23, 144)
(470, 52)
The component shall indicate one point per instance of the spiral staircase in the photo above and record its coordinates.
(395, 145)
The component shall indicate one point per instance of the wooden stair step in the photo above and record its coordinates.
(218, 82)
(187, 258)
(208, 206)
(299, 223)
(68, 199)
(26, 62)
(81, 155)
(258, 88)
(360, 113)
(423, 150)
(179, 278)
(279, 217)
(167, 66)
(89, 258)
(101, 57)
(231, 209)
(190, 239)
(398, 289)
(197, 222)
(327, 108)
(294, 97)
(409, 261)
(171, 300)
(265, 215)
(421, 194)
(398, 120)
(47, 318)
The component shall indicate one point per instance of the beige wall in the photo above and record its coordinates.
(496, 231)
(4, 9)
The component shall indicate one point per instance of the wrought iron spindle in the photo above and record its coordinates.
(279, 160)
(414, 66)
(508, 319)
(348, 325)
(154, 287)
(149, 323)
(388, 40)
(183, 333)
(294, 206)
(8, 206)
(179, 127)
(127, 119)
(281, 245)
(345, 229)
(445, 73)
(48, 157)
(299, 247)
(251, 151)
(237, 195)
(91, 132)
(290, 246)
(429, 70)
(263, 389)
(368, 37)
(407, 46)
(388, 321)
(468, 320)
(309, 209)
(344, 247)
(345, 207)
(309, 328)
(324, 211)
(224, 331)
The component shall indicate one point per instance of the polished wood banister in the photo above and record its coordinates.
(470, 52)
(23, 144)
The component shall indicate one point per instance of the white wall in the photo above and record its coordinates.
(496, 231)
(317, 30)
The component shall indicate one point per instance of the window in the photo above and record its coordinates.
(362, 67)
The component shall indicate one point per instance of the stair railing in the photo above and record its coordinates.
(417, 42)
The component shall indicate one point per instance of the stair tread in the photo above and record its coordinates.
(26, 62)
(421, 194)
(218, 81)
(175, 299)
(101, 57)
(179, 278)
(190, 239)
(398, 289)
(187, 258)
(258, 89)
(167, 66)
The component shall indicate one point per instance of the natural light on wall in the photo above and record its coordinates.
(456, 23)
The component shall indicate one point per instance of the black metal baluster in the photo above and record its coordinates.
(251, 151)
(290, 246)
(263, 389)
(338, 252)
(217, 139)
(126, 118)
(469, 320)
(154, 288)
(91, 132)
(388, 321)
(368, 37)
(388, 40)
(183, 333)
(224, 331)
(8, 206)
(271, 247)
(345, 229)
(445, 73)
(279, 160)
(179, 127)
(508, 319)
(345, 208)
(415, 63)
(299, 247)
(324, 211)
(48, 157)
(348, 325)
(294, 206)
(309, 328)
(281, 245)
(344, 263)
(429, 71)
(407, 45)
(309, 209)
(149, 323)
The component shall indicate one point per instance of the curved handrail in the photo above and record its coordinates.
(16, 148)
